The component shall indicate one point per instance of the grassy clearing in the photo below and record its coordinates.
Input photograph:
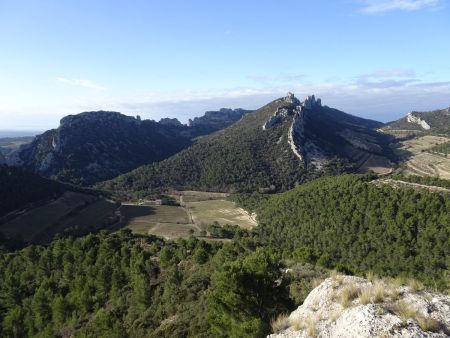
(221, 211)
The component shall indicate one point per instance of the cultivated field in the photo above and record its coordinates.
(161, 220)
(419, 161)
(221, 211)
(198, 210)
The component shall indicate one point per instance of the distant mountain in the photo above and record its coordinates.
(436, 122)
(95, 146)
(274, 148)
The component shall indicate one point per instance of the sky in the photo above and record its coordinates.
(179, 58)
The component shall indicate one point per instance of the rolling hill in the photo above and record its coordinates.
(282, 144)
(95, 146)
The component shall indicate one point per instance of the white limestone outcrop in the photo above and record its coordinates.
(417, 120)
(353, 307)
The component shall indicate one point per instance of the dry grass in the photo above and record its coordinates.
(428, 323)
(337, 278)
(365, 295)
(404, 310)
(297, 324)
(316, 282)
(347, 294)
(280, 323)
(379, 292)
(371, 276)
(415, 285)
(335, 315)
(311, 327)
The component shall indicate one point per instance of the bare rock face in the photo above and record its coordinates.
(417, 120)
(353, 307)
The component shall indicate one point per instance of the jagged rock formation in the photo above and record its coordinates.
(305, 147)
(352, 307)
(415, 119)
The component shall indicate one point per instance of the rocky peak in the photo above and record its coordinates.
(291, 99)
(311, 102)
(170, 122)
(353, 307)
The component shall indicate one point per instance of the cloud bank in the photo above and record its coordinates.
(381, 6)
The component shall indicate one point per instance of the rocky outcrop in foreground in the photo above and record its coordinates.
(347, 307)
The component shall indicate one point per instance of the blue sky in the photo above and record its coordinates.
(178, 58)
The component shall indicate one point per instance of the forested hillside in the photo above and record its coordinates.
(120, 285)
(123, 286)
(350, 223)
(278, 146)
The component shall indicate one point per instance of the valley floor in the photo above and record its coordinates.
(196, 211)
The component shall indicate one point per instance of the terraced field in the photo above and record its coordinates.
(420, 161)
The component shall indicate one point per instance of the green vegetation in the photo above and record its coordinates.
(124, 286)
(242, 157)
(425, 180)
(353, 225)
(443, 148)
(246, 158)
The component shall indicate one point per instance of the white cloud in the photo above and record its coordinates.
(383, 95)
(381, 6)
(80, 83)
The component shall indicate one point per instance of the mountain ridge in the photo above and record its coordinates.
(99, 145)
(284, 143)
